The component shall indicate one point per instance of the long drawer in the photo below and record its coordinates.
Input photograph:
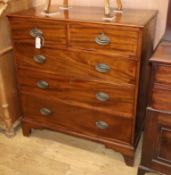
(51, 33)
(109, 98)
(87, 122)
(103, 38)
(119, 68)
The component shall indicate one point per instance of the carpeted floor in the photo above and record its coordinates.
(51, 153)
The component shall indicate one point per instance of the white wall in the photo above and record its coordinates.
(160, 5)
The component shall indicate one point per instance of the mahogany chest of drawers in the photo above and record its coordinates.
(85, 77)
(156, 154)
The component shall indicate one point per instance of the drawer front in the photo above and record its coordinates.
(85, 65)
(162, 147)
(161, 98)
(51, 34)
(156, 151)
(105, 97)
(163, 74)
(165, 144)
(104, 39)
(81, 120)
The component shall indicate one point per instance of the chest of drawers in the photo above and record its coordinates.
(89, 78)
(156, 154)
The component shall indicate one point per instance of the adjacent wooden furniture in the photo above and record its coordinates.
(156, 154)
(87, 77)
(10, 114)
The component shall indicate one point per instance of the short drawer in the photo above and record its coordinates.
(109, 98)
(51, 33)
(86, 65)
(105, 39)
(76, 119)
(161, 97)
(162, 74)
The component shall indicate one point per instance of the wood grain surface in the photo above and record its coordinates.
(163, 74)
(121, 39)
(122, 68)
(78, 119)
(161, 98)
(54, 33)
(81, 92)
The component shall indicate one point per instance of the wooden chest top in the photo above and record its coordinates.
(131, 17)
(163, 53)
(161, 81)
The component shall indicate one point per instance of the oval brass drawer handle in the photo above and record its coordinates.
(36, 33)
(42, 84)
(102, 125)
(45, 112)
(101, 96)
(102, 68)
(102, 40)
(40, 59)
